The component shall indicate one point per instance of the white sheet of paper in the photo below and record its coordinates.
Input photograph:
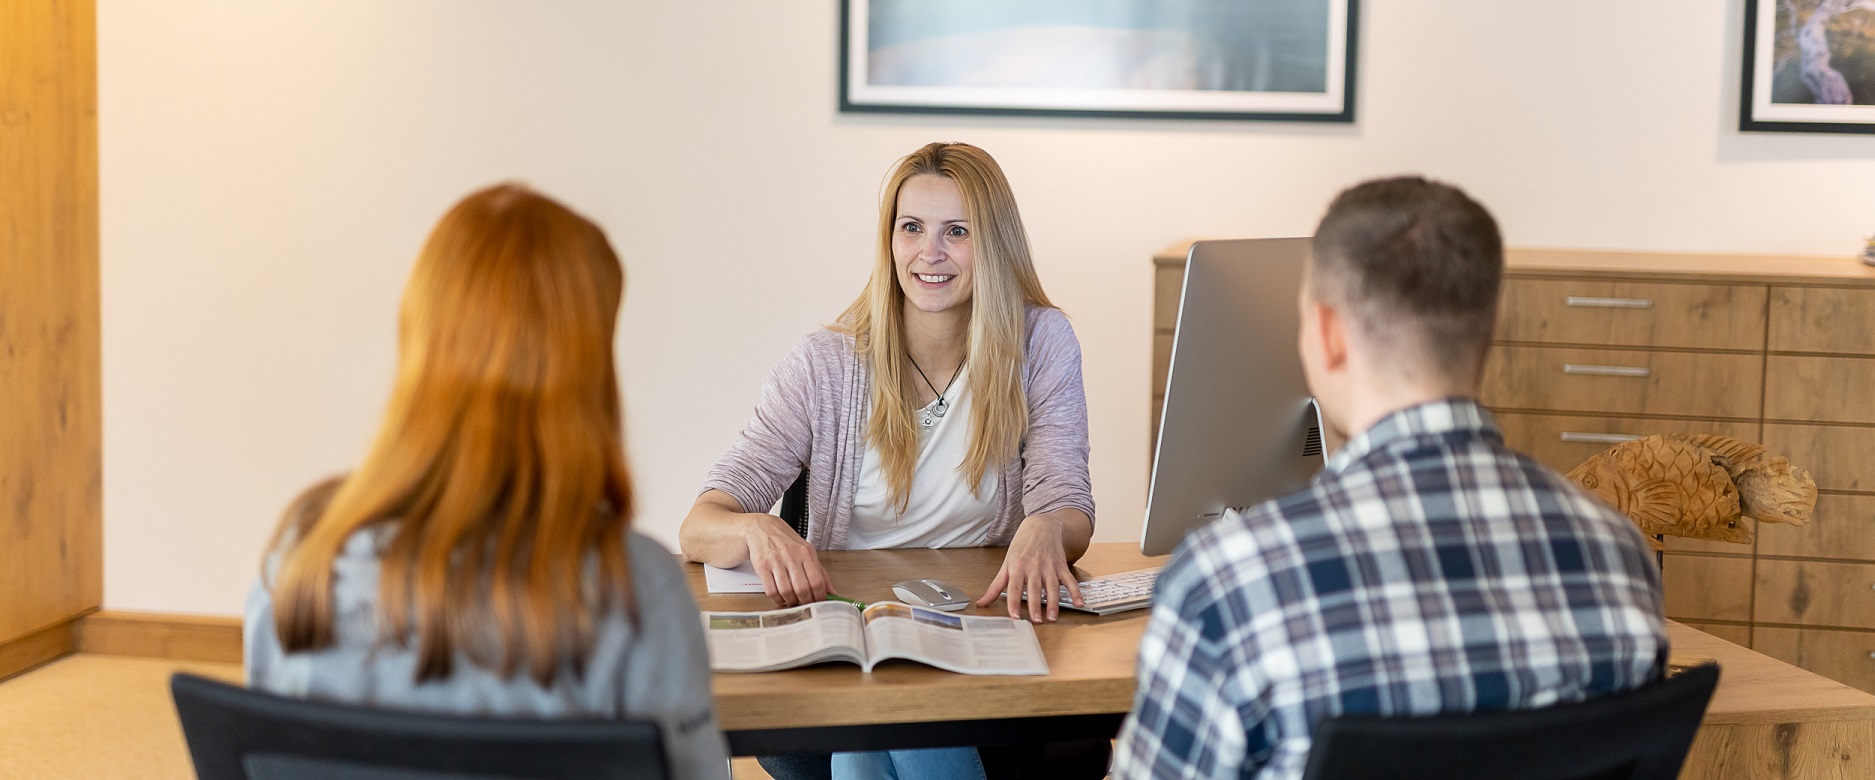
(741, 579)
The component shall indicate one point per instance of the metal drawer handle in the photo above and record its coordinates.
(1588, 370)
(1590, 302)
(1598, 438)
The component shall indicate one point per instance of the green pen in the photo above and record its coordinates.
(854, 602)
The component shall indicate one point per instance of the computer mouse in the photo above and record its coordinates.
(935, 594)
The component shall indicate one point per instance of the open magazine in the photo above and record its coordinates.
(837, 631)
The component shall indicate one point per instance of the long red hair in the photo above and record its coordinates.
(499, 470)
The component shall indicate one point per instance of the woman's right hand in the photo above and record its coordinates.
(789, 567)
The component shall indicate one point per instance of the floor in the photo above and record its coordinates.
(86, 716)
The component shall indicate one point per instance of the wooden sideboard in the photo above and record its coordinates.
(1595, 347)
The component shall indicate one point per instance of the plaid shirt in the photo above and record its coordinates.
(1427, 570)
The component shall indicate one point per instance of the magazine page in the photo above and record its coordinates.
(967, 644)
(784, 638)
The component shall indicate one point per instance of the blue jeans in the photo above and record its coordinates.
(930, 764)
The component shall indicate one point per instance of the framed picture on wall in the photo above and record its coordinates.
(1809, 66)
(1287, 60)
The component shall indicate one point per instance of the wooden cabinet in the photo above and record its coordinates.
(1594, 348)
(51, 466)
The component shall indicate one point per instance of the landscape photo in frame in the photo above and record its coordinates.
(1809, 66)
(1284, 60)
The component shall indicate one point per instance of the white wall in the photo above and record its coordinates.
(269, 170)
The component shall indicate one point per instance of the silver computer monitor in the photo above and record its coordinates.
(1239, 426)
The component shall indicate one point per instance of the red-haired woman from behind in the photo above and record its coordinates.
(480, 560)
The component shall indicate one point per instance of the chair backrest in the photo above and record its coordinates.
(1634, 735)
(238, 734)
(794, 505)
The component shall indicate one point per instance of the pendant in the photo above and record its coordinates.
(940, 407)
(929, 420)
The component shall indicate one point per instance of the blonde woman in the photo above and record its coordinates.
(944, 408)
(481, 559)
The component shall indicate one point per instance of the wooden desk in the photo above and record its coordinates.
(1767, 719)
(1089, 685)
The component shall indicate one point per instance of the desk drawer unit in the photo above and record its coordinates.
(1623, 382)
(1815, 593)
(1845, 656)
(1632, 314)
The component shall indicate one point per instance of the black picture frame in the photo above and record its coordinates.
(1756, 111)
(1343, 112)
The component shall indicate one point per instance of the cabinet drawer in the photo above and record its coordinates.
(1844, 527)
(1633, 314)
(1702, 588)
(1816, 594)
(1820, 389)
(1848, 657)
(1812, 319)
(1562, 442)
(1838, 458)
(1624, 381)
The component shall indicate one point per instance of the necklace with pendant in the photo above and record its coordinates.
(936, 410)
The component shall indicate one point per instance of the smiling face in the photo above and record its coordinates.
(931, 245)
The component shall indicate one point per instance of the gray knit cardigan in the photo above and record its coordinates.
(813, 413)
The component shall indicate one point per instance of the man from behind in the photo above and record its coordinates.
(1428, 569)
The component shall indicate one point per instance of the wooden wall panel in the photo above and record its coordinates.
(51, 534)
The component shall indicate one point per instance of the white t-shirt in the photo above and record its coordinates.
(942, 511)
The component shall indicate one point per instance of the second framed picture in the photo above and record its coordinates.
(1288, 60)
(1809, 66)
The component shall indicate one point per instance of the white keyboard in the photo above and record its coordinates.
(1114, 592)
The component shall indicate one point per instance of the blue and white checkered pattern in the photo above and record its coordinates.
(1427, 570)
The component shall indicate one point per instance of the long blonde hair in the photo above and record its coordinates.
(499, 468)
(1005, 286)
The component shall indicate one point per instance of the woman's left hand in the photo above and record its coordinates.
(1037, 563)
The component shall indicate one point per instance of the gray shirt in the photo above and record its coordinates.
(657, 670)
(812, 415)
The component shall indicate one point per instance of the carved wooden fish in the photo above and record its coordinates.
(1699, 486)
(1668, 486)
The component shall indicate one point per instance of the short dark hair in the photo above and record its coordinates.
(1417, 264)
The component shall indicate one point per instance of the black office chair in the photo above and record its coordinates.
(1635, 735)
(238, 734)
(794, 505)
